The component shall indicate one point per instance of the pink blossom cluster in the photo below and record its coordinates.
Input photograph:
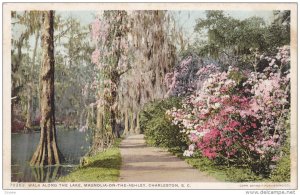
(270, 103)
(208, 69)
(99, 31)
(96, 56)
(226, 120)
(284, 54)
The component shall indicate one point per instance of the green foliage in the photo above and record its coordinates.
(157, 126)
(276, 35)
(103, 167)
(237, 76)
(241, 175)
(232, 41)
(227, 32)
(72, 73)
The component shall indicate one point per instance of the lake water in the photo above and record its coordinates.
(72, 143)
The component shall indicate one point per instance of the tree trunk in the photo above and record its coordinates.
(126, 122)
(132, 123)
(30, 87)
(98, 142)
(103, 136)
(113, 123)
(47, 152)
(99, 124)
(137, 128)
(115, 78)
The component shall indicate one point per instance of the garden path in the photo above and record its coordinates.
(141, 163)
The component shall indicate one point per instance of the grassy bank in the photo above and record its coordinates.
(103, 167)
(220, 172)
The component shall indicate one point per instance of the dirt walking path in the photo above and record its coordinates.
(149, 164)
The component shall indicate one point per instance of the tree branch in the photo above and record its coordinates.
(62, 33)
(123, 72)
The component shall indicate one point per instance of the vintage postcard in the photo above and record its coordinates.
(150, 96)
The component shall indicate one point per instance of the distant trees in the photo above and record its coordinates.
(73, 70)
(234, 41)
(278, 33)
(29, 115)
(29, 23)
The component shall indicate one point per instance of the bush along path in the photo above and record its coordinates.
(141, 163)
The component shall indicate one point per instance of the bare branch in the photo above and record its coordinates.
(123, 72)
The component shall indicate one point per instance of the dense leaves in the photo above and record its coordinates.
(156, 125)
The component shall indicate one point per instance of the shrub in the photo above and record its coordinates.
(158, 128)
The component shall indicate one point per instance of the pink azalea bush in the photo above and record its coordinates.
(238, 117)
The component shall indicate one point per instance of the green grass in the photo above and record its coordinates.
(223, 173)
(220, 172)
(282, 172)
(103, 167)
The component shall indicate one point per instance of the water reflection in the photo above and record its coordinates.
(73, 145)
(46, 174)
(39, 174)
